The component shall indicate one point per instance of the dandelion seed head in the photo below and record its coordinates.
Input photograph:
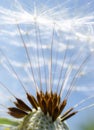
(46, 47)
(39, 121)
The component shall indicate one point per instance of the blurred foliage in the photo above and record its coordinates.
(8, 124)
(88, 126)
(5, 121)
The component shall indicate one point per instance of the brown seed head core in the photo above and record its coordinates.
(50, 103)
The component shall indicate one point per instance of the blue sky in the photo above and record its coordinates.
(73, 25)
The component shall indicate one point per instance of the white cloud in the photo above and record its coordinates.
(69, 28)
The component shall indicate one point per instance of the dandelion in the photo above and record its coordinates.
(52, 49)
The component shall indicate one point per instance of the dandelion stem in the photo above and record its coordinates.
(76, 74)
(38, 57)
(51, 58)
(86, 107)
(28, 57)
(43, 57)
(13, 70)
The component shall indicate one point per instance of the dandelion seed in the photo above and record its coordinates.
(52, 64)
